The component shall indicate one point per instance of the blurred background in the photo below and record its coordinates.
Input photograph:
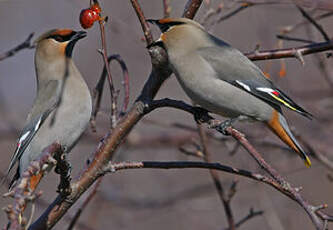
(176, 199)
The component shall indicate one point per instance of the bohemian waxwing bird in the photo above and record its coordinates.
(224, 81)
(62, 107)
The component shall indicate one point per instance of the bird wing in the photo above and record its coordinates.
(235, 68)
(45, 102)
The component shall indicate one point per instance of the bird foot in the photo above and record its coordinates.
(64, 169)
(224, 125)
(201, 115)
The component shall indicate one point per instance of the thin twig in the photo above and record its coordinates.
(287, 38)
(113, 115)
(144, 24)
(191, 8)
(234, 12)
(218, 185)
(313, 22)
(111, 142)
(249, 216)
(244, 5)
(24, 45)
(98, 91)
(85, 204)
(125, 81)
(23, 192)
(320, 60)
(290, 52)
(290, 28)
(166, 8)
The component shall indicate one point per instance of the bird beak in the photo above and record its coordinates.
(79, 35)
(153, 21)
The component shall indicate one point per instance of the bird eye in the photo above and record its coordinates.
(58, 38)
(166, 26)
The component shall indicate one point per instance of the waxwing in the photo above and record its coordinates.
(224, 81)
(62, 106)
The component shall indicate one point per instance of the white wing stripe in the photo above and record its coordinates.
(246, 87)
(266, 90)
(22, 138)
(37, 125)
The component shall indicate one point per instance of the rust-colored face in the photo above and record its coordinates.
(59, 41)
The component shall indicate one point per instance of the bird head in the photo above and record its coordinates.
(179, 33)
(58, 43)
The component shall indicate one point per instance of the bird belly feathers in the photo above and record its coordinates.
(53, 128)
(203, 86)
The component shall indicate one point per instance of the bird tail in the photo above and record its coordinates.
(279, 126)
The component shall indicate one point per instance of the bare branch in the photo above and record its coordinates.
(249, 216)
(218, 185)
(24, 45)
(144, 24)
(24, 189)
(166, 8)
(113, 115)
(144, 104)
(287, 38)
(290, 52)
(191, 8)
(98, 91)
(313, 22)
(85, 204)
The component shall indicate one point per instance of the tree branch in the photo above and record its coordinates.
(290, 52)
(23, 191)
(24, 45)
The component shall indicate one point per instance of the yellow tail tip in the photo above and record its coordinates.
(307, 162)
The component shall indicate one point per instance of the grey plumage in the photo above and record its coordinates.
(62, 107)
(222, 80)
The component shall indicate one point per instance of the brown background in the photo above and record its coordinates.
(173, 199)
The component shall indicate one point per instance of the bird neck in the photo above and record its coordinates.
(185, 40)
(57, 69)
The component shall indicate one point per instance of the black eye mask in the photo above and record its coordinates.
(166, 26)
(62, 38)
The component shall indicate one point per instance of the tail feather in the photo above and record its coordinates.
(279, 126)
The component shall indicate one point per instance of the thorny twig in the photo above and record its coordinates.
(24, 45)
(282, 183)
(23, 192)
(290, 52)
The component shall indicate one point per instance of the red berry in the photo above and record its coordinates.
(87, 18)
(96, 8)
(95, 15)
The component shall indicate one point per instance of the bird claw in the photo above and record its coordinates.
(224, 125)
(200, 115)
(64, 169)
